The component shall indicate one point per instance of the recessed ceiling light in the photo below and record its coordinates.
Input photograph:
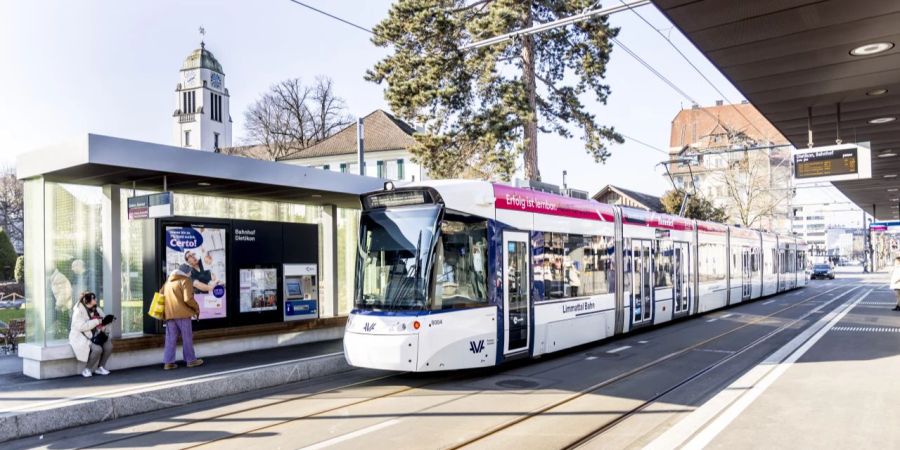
(895, 199)
(891, 175)
(893, 189)
(882, 120)
(875, 92)
(887, 153)
(872, 49)
(204, 184)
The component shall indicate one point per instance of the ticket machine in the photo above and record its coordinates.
(301, 291)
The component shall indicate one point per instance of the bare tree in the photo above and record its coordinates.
(756, 187)
(12, 209)
(292, 116)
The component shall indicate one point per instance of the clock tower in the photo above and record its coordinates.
(201, 119)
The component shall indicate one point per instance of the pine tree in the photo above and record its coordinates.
(482, 108)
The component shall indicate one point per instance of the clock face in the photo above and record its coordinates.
(190, 78)
(215, 80)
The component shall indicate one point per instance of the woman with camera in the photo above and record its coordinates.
(88, 337)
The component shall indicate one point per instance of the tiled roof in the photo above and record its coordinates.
(382, 132)
(691, 126)
(651, 202)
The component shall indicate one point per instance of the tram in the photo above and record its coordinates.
(465, 274)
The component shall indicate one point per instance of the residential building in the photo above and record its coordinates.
(386, 139)
(202, 120)
(614, 195)
(731, 155)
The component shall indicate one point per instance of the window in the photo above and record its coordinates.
(401, 175)
(569, 265)
(460, 264)
(188, 102)
(326, 167)
(380, 169)
(712, 260)
(216, 141)
(343, 167)
(187, 138)
(664, 264)
(215, 107)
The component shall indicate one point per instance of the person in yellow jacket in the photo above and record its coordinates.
(180, 309)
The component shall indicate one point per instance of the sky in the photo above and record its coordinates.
(111, 67)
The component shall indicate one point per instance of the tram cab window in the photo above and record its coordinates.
(459, 274)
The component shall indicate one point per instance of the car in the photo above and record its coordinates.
(822, 271)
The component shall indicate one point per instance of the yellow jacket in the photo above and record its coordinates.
(179, 293)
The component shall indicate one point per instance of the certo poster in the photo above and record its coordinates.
(259, 290)
(203, 249)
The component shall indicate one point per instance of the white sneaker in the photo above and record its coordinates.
(86, 373)
(101, 371)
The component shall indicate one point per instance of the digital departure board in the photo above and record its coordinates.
(826, 163)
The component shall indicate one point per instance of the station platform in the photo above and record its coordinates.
(30, 407)
(833, 386)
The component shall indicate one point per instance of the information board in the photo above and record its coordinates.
(826, 163)
(150, 206)
(833, 163)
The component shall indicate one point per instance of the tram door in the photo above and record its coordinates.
(516, 305)
(681, 279)
(642, 282)
(746, 277)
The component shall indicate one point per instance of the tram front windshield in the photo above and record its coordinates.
(394, 252)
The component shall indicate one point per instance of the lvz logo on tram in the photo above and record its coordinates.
(520, 273)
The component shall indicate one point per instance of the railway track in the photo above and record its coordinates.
(467, 374)
(593, 434)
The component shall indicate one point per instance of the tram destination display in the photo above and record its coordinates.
(826, 163)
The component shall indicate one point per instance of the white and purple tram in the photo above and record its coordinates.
(464, 274)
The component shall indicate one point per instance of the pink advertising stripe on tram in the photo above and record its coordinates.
(526, 200)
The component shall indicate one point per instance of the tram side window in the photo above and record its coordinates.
(571, 265)
(712, 260)
(599, 261)
(460, 265)
(664, 264)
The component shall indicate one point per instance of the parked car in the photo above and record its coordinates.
(822, 271)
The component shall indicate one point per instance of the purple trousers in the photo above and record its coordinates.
(174, 328)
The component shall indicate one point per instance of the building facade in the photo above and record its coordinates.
(709, 156)
(387, 141)
(614, 195)
(201, 120)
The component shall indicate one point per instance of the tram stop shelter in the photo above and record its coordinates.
(273, 245)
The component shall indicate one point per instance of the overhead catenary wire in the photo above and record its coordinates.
(697, 69)
(367, 30)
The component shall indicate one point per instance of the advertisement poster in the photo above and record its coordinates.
(203, 249)
(259, 290)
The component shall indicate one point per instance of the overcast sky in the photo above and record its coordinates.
(111, 67)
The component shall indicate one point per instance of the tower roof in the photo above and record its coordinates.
(202, 58)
